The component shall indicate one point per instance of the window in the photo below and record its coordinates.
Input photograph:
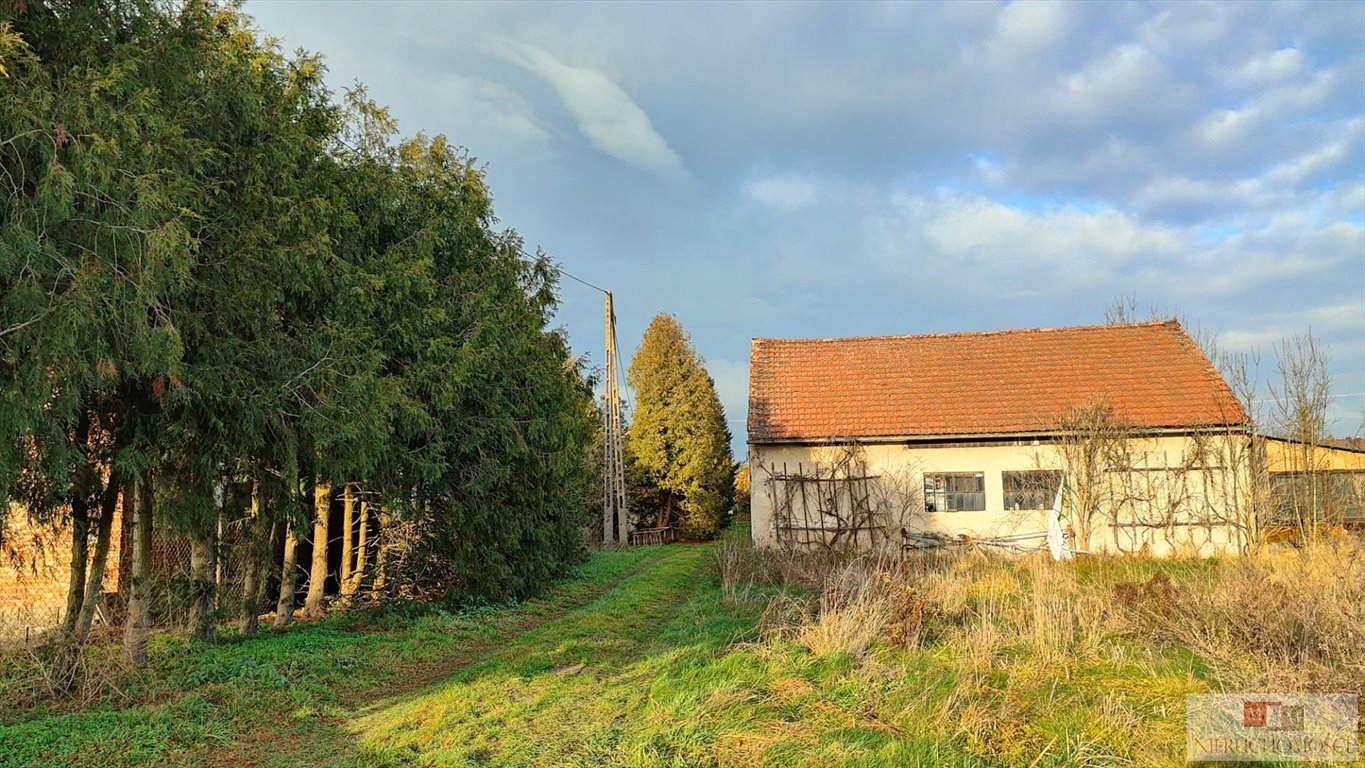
(1346, 492)
(1336, 495)
(1034, 489)
(955, 492)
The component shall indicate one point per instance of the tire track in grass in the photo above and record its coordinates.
(325, 739)
(560, 694)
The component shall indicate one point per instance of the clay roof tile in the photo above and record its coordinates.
(1152, 375)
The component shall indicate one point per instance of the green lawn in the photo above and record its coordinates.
(640, 661)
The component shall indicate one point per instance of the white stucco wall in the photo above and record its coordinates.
(1208, 496)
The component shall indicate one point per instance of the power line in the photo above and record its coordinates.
(618, 369)
(1329, 397)
(561, 271)
(564, 273)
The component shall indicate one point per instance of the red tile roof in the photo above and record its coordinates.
(1152, 374)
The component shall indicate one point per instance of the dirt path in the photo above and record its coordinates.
(329, 740)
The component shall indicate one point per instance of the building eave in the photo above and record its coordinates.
(1237, 429)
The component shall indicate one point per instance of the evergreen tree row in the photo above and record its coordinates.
(218, 282)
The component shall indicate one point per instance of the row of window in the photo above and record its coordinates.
(966, 491)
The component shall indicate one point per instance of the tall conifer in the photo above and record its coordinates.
(678, 441)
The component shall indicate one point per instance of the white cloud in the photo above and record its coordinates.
(1299, 97)
(1271, 68)
(784, 192)
(1166, 193)
(989, 169)
(1346, 199)
(991, 232)
(1001, 249)
(496, 110)
(1033, 26)
(1127, 80)
(1294, 172)
(1188, 26)
(1340, 320)
(607, 117)
(1227, 126)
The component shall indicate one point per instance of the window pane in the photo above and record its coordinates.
(1031, 489)
(955, 492)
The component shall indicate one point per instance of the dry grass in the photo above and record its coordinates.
(30, 677)
(1083, 662)
(1293, 619)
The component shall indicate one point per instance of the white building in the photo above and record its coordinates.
(853, 440)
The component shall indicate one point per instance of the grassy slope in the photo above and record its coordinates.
(642, 662)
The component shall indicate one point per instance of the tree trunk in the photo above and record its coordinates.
(352, 584)
(64, 667)
(94, 582)
(381, 555)
(138, 496)
(80, 557)
(203, 557)
(266, 553)
(347, 536)
(317, 576)
(249, 619)
(361, 545)
(667, 519)
(289, 574)
(220, 595)
(80, 531)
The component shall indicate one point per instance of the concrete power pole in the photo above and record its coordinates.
(615, 520)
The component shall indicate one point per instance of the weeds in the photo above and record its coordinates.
(1294, 620)
(1022, 659)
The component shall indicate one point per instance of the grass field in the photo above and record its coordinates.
(651, 658)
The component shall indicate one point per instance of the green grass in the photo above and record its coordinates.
(195, 699)
(642, 662)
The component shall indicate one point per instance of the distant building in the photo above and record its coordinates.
(1330, 477)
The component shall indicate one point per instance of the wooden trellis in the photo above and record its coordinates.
(823, 505)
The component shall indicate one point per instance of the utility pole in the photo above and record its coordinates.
(615, 520)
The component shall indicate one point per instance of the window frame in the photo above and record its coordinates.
(949, 492)
(1045, 491)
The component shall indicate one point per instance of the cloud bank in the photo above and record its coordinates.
(903, 168)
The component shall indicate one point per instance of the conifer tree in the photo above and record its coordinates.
(214, 276)
(743, 488)
(678, 442)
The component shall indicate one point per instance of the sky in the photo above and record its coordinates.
(827, 170)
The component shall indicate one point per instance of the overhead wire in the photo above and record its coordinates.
(620, 372)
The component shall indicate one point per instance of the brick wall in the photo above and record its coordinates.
(34, 574)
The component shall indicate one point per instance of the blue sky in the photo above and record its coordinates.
(859, 169)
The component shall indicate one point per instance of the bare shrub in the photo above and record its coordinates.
(30, 677)
(826, 601)
(1295, 619)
